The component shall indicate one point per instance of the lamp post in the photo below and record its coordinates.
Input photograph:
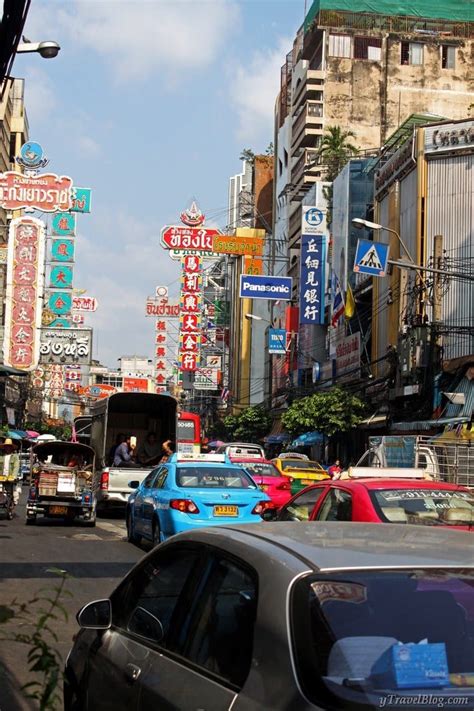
(47, 49)
(360, 223)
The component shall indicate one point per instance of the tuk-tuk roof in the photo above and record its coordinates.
(53, 447)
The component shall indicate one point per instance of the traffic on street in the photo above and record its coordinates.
(236, 355)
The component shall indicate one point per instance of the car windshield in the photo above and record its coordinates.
(260, 469)
(361, 639)
(213, 477)
(300, 464)
(425, 506)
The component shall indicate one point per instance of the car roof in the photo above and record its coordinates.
(399, 484)
(250, 460)
(341, 546)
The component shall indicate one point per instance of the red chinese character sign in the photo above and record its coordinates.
(26, 249)
(191, 308)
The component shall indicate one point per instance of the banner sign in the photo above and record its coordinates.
(253, 266)
(226, 244)
(62, 250)
(135, 385)
(59, 345)
(81, 200)
(206, 256)
(348, 355)
(162, 308)
(84, 303)
(206, 379)
(313, 221)
(187, 238)
(61, 277)
(312, 279)
(265, 287)
(47, 192)
(26, 250)
(98, 391)
(277, 341)
(63, 224)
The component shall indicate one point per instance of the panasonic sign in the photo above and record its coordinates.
(265, 287)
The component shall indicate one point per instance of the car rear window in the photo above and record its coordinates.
(363, 639)
(259, 469)
(424, 506)
(207, 477)
(300, 464)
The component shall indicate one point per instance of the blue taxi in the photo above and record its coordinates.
(191, 491)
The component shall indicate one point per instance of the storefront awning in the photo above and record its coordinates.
(276, 434)
(6, 370)
(308, 439)
(425, 425)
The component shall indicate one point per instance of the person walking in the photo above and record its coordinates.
(335, 469)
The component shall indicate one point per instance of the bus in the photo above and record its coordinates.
(188, 438)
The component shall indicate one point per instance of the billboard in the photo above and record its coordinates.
(265, 287)
(66, 345)
(26, 250)
(47, 192)
(135, 385)
(312, 279)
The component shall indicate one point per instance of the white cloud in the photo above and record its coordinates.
(138, 38)
(254, 89)
(40, 95)
(89, 147)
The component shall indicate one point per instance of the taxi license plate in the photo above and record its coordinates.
(226, 510)
(58, 509)
(307, 482)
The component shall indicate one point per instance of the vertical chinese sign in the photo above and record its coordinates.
(190, 317)
(312, 279)
(26, 249)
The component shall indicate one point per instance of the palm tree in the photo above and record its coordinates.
(336, 149)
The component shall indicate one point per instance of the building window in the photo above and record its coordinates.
(412, 53)
(368, 48)
(339, 46)
(448, 56)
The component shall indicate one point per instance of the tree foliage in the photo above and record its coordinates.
(336, 149)
(248, 155)
(250, 425)
(328, 412)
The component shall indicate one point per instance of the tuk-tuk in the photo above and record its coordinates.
(61, 482)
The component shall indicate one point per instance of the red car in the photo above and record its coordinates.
(418, 501)
(267, 477)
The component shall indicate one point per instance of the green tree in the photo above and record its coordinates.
(328, 412)
(336, 149)
(250, 425)
(248, 155)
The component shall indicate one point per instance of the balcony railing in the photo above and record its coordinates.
(308, 161)
(311, 110)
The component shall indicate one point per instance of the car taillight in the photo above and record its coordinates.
(104, 481)
(261, 506)
(184, 505)
(284, 486)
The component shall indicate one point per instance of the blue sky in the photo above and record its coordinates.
(149, 103)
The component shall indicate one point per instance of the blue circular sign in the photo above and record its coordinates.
(314, 217)
(32, 154)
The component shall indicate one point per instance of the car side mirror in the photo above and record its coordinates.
(270, 515)
(144, 624)
(96, 615)
(133, 484)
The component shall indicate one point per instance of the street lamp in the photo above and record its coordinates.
(47, 49)
(360, 223)
(253, 317)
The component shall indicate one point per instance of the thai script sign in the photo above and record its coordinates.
(348, 355)
(253, 266)
(66, 346)
(312, 278)
(63, 224)
(135, 385)
(265, 287)
(26, 249)
(98, 391)
(84, 303)
(186, 238)
(226, 244)
(313, 221)
(162, 307)
(81, 200)
(47, 192)
(449, 137)
(177, 254)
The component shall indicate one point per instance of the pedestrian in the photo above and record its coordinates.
(150, 451)
(10, 468)
(335, 469)
(125, 453)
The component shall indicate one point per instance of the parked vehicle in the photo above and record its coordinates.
(267, 477)
(241, 449)
(192, 491)
(61, 482)
(300, 470)
(283, 617)
(408, 500)
(134, 414)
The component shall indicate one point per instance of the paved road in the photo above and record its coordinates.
(95, 558)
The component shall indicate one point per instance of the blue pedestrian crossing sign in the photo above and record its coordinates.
(371, 258)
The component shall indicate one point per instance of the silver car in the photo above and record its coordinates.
(284, 616)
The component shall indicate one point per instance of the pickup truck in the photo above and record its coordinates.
(134, 414)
